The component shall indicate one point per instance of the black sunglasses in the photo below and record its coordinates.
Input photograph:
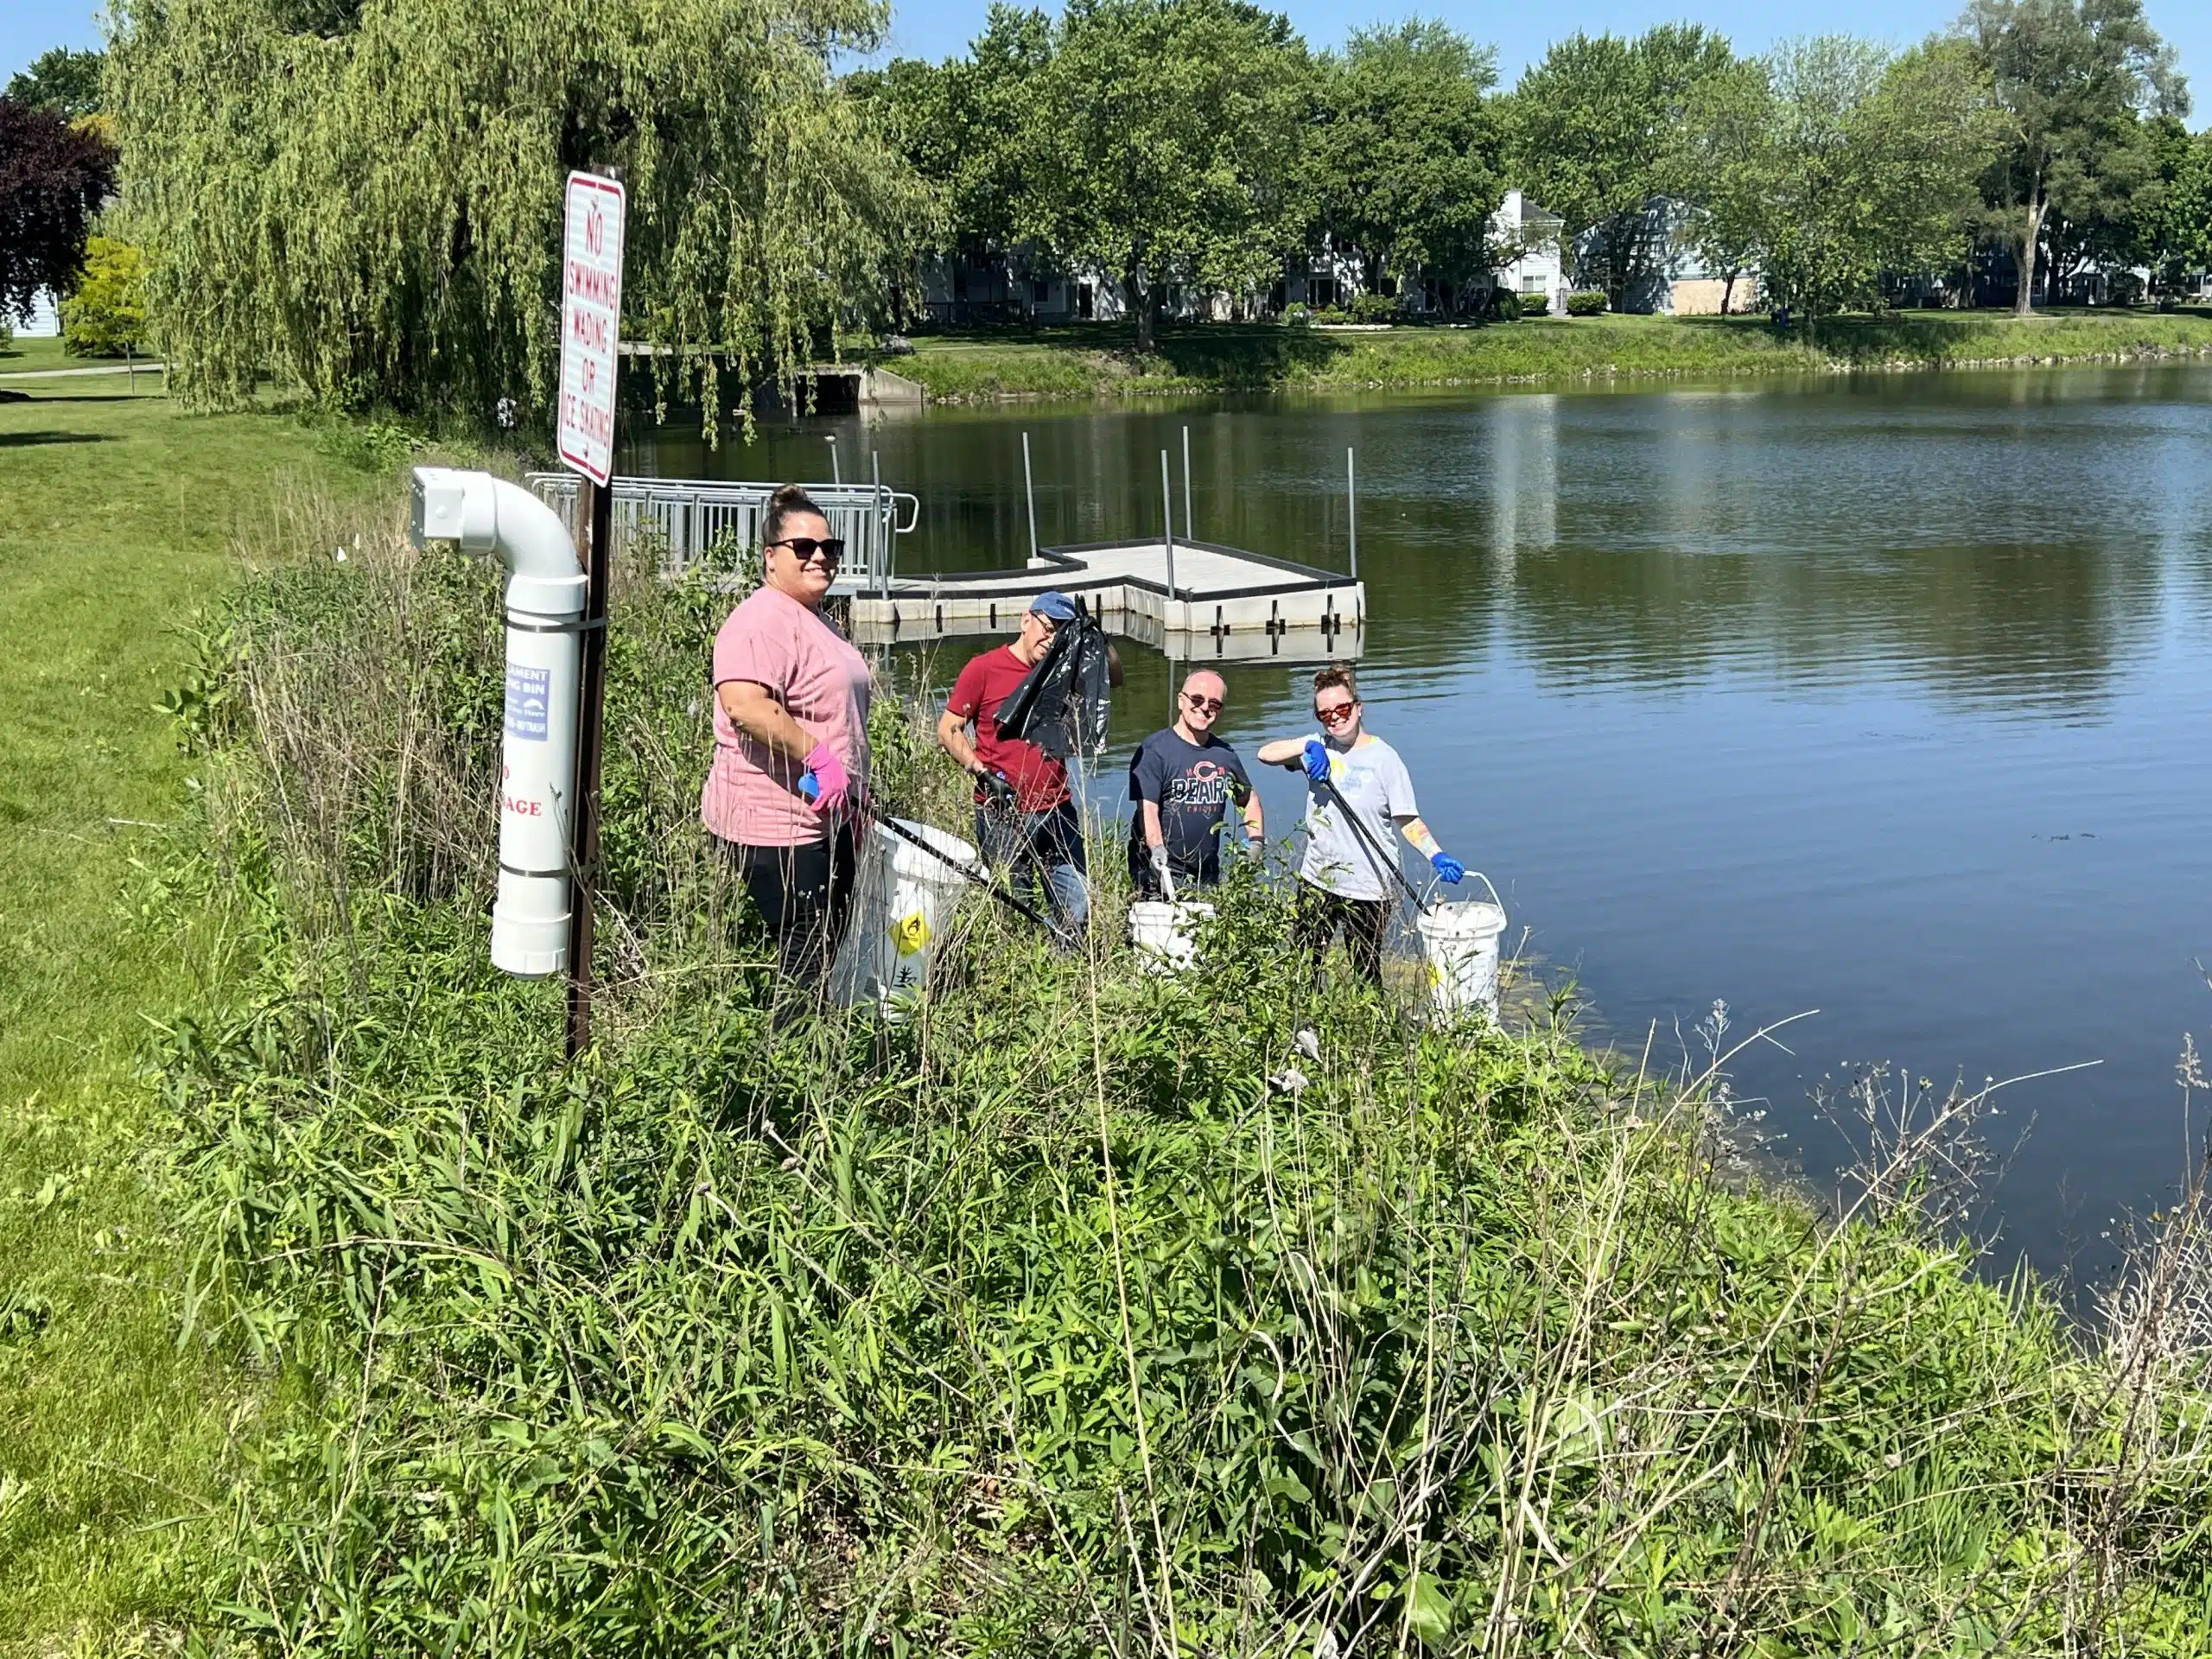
(1204, 705)
(805, 548)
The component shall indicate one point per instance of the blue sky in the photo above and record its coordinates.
(938, 28)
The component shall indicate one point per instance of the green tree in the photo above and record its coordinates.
(1724, 170)
(61, 82)
(106, 316)
(55, 176)
(963, 124)
(1404, 161)
(2184, 233)
(366, 199)
(1872, 165)
(1597, 133)
(1160, 141)
(2071, 79)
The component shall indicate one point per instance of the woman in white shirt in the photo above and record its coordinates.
(1342, 883)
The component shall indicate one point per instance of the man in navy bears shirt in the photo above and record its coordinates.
(1181, 782)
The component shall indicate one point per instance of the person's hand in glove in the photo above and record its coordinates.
(833, 785)
(1166, 876)
(1450, 868)
(1317, 760)
(994, 788)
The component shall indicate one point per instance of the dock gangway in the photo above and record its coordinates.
(691, 516)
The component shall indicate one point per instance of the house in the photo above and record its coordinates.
(45, 321)
(1533, 237)
(1672, 276)
(1695, 289)
(985, 287)
(1320, 282)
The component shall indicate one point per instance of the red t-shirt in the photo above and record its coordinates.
(1040, 783)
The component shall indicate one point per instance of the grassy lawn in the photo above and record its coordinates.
(119, 511)
(22, 354)
(1099, 360)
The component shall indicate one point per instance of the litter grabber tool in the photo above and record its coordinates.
(1386, 867)
(809, 788)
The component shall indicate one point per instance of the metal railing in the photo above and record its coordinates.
(691, 516)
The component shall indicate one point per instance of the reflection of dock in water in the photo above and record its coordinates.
(1194, 600)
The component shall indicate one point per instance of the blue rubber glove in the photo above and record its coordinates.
(1448, 867)
(1317, 760)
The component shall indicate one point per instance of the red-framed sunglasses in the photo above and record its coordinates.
(1336, 713)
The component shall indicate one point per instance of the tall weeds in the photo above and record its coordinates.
(1082, 1312)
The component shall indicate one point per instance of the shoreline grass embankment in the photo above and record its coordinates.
(1061, 1317)
(1093, 361)
(1079, 1312)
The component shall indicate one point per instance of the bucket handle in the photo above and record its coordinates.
(1429, 902)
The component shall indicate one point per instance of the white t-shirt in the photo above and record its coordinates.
(1374, 782)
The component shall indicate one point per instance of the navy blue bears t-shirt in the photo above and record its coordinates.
(1192, 784)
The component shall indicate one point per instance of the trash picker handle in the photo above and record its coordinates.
(1382, 861)
(981, 880)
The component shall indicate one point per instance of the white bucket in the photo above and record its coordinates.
(903, 901)
(1166, 933)
(1460, 942)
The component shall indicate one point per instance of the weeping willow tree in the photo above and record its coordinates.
(363, 198)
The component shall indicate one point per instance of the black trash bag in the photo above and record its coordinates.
(1063, 703)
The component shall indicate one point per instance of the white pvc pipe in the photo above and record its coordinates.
(544, 604)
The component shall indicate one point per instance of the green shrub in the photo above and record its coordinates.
(106, 316)
(1586, 302)
(1374, 307)
(1533, 305)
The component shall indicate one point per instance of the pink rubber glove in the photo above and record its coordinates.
(832, 783)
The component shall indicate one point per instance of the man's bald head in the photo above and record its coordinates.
(1205, 682)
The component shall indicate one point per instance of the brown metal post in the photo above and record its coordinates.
(595, 517)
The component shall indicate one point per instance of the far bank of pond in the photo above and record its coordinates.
(1099, 360)
(1882, 695)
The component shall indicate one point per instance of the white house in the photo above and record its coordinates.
(1533, 234)
(44, 323)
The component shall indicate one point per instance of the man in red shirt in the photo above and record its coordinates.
(1025, 817)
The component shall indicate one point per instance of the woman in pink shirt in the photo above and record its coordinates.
(790, 699)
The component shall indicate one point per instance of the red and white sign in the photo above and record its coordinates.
(591, 323)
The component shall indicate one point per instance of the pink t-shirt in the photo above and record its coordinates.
(752, 794)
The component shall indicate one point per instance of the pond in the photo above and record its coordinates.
(1885, 696)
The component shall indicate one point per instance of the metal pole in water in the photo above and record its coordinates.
(835, 478)
(1352, 510)
(1167, 524)
(1189, 535)
(1029, 494)
(875, 503)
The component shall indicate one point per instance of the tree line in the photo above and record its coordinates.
(361, 197)
(1197, 143)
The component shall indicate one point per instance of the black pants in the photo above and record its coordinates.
(1319, 914)
(804, 894)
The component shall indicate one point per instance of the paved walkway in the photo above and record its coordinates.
(151, 367)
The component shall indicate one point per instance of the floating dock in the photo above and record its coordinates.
(1219, 602)
(1195, 601)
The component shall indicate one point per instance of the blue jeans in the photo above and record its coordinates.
(1040, 852)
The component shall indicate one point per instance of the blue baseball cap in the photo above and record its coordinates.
(1055, 607)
